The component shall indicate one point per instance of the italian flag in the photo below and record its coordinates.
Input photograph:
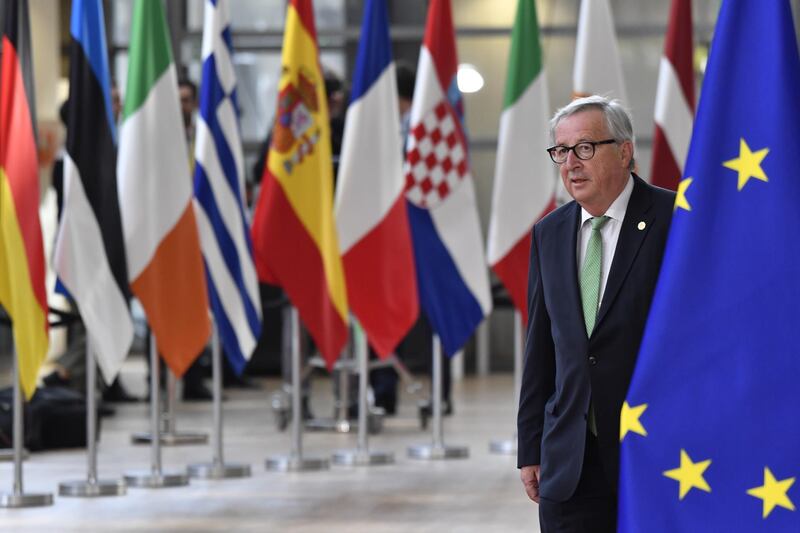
(165, 266)
(525, 178)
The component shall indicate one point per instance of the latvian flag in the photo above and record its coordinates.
(674, 114)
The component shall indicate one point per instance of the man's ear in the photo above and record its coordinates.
(626, 152)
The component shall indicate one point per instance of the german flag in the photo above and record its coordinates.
(22, 270)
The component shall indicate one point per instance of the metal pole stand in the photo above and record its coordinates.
(92, 486)
(295, 462)
(217, 469)
(362, 456)
(170, 436)
(340, 424)
(18, 498)
(155, 477)
(509, 446)
(437, 449)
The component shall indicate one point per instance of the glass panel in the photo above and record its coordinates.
(246, 15)
(267, 15)
(120, 69)
(489, 57)
(122, 13)
(482, 161)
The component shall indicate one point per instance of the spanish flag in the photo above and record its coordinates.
(22, 269)
(294, 235)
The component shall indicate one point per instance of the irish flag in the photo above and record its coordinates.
(294, 234)
(22, 269)
(155, 192)
(525, 178)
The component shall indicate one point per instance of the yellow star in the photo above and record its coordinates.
(680, 198)
(748, 164)
(773, 492)
(689, 474)
(629, 420)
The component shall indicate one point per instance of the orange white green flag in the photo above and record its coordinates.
(165, 265)
(294, 235)
(22, 269)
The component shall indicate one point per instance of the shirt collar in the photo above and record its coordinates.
(617, 208)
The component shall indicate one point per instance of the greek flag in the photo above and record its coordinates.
(219, 195)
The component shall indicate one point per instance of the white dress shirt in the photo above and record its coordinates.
(609, 233)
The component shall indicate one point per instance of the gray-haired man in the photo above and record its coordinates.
(594, 265)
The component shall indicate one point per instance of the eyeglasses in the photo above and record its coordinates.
(583, 150)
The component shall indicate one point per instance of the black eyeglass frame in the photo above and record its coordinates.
(593, 144)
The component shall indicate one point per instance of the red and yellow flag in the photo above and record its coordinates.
(22, 270)
(294, 235)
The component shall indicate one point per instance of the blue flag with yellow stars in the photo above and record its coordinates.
(710, 430)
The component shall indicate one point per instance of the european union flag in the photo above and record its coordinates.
(711, 427)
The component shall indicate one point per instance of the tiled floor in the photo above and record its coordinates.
(481, 493)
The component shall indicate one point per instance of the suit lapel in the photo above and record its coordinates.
(566, 255)
(631, 237)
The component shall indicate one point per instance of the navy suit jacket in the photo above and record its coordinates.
(564, 369)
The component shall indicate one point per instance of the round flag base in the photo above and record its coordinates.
(11, 501)
(91, 489)
(340, 425)
(431, 452)
(218, 471)
(288, 463)
(362, 458)
(171, 439)
(149, 480)
(503, 447)
(8, 455)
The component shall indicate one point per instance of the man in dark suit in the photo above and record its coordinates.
(593, 268)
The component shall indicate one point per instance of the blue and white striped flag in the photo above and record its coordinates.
(219, 195)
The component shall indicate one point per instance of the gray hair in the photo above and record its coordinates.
(618, 119)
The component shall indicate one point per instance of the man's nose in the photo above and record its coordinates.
(572, 160)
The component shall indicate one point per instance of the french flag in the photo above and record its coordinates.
(371, 213)
(448, 250)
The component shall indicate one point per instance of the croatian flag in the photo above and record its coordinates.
(451, 266)
(371, 214)
(219, 195)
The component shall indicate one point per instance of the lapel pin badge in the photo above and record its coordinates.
(641, 225)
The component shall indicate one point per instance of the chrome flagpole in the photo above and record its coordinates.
(17, 498)
(295, 462)
(437, 449)
(362, 456)
(168, 434)
(217, 469)
(509, 446)
(155, 477)
(91, 486)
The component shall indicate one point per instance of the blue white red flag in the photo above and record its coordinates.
(371, 213)
(451, 266)
(219, 195)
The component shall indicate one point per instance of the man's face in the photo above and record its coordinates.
(597, 182)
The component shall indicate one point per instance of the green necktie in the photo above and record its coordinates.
(591, 273)
(591, 277)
